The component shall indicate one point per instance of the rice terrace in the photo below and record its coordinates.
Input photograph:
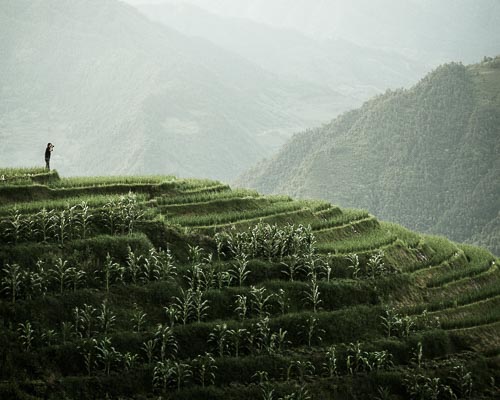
(165, 288)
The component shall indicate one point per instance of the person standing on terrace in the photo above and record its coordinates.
(48, 152)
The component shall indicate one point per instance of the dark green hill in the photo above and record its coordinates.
(157, 287)
(426, 157)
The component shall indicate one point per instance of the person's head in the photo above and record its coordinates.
(49, 144)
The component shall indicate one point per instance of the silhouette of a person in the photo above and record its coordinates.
(48, 152)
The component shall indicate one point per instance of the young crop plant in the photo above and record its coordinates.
(420, 386)
(330, 365)
(72, 215)
(106, 318)
(312, 332)
(262, 336)
(107, 354)
(133, 265)
(60, 274)
(376, 266)
(165, 337)
(354, 265)
(111, 270)
(85, 320)
(294, 265)
(236, 338)
(326, 267)
(165, 265)
(220, 238)
(110, 216)
(219, 337)
(302, 370)
(35, 282)
(62, 226)
(260, 301)
(181, 373)
(45, 224)
(14, 227)
(67, 331)
(390, 321)
(205, 369)
(76, 277)
(312, 295)
(172, 314)
(138, 319)
(200, 305)
(49, 336)
(129, 360)
(149, 348)
(462, 381)
(278, 341)
(240, 271)
(88, 352)
(26, 335)
(283, 301)
(131, 212)
(162, 374)
(184, 306)
(241, 306)
(84, 219)
(12, 280)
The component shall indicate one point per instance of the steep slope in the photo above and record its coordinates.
(426, 157)
(147, 287)
(118, 93)
(355, 71)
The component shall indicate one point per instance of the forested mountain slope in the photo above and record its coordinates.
(158, 287)
(118, 93)
(426, 157)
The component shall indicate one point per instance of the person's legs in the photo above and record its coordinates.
(47, 163)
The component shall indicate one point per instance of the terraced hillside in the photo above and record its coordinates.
(157, 287)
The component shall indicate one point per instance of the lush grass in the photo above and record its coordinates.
(221, 218)
(345, 217)
(201, 198)
(453, 282)
(109, 180)
(360, 242)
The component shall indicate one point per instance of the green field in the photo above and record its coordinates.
(167, 288)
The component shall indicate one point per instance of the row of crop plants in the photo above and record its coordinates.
(118, 216)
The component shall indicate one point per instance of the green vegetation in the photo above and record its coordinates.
(425, 157)
(187, 289)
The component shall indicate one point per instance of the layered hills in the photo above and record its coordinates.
(116, 92)
(356, 71)
(426, 157)
(155, 286)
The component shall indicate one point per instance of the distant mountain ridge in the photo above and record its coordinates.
(119, 94)
(355, 71)
(426, 157)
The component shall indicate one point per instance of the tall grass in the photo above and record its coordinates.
(235, 216)
(479, 313)
(85, 181)
(199, 198)
(17, 172)
(370, 240)
(347, 216)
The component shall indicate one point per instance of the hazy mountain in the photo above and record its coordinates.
(426, 157)
(339, 64)
(118, 93)
(430, 31)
